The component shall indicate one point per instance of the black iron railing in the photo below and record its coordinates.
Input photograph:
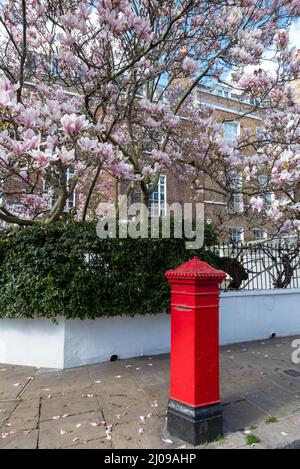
(260, 266)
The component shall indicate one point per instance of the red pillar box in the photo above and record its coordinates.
(194, 412)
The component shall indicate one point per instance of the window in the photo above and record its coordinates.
(236, 202)
(224, 92)
(268, 197)
(71, 200)
(259, 131)
(262, 135)
(262, 180)
(55, 67)
(253, 101)
(157, 200)
(231, 131)
(260, 235)
(31, 64)
(236, 235)
(14, 205)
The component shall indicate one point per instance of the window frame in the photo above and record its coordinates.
(236, 199)
(261, 230)
(242, 232)
(237, 124)
(161, 209)
(269, 196)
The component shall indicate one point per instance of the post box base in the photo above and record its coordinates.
(195, 425)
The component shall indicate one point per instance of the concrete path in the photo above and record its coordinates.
(123, 404)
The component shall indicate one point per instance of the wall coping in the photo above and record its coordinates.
(275, 292)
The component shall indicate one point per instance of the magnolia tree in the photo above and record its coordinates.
(98, 93)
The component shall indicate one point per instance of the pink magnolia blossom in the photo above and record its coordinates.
(257, 203)
(28, 117)
(282, 38)
(69, 20)
(121, 169)
(287, 225)
(151, 107)
(274, 213)
(249, 173)
(160, 156)
(60, 94)
(152, 123)
(43, 158)
(106, 150)
(34, 203)
(7, 93)
(142, 27)
(67, 39)
(68, 107)
(88, 144)
(65, 156)
(21, 147)
(190, 65)
(68, 57)
(6, 100)
(74, 124)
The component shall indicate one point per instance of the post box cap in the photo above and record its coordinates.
(194, 270)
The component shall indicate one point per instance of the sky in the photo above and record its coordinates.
(267, 64)
(295, 34)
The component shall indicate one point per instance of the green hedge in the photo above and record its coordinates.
(44, 272)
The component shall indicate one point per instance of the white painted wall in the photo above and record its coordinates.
(244, 316)
(96, 341)
(255, 315)
(32, 342)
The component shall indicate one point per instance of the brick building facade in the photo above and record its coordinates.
(231, 215)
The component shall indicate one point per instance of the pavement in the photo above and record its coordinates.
(123, 404)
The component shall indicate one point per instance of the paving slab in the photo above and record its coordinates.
(6, 408)
(274, 401)
(153, 439)
(14, 380)
(125, 435)
(58, 382)
(158, 393)
(25, 416)
(20, 440)
(119, 408)
(63, 432)
(101, 443)
(73, 403)
(290, 384)
(151, 372)
(242, 414)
